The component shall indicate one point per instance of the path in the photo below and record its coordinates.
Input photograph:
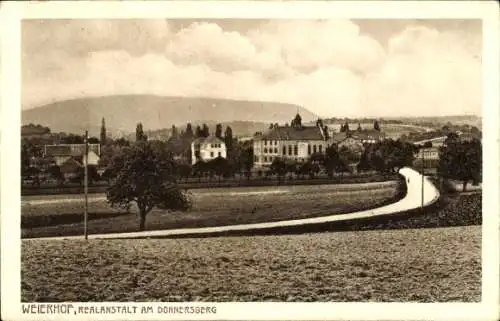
(412, 200)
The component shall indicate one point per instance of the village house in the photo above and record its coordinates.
(207, 148)
(61, 153)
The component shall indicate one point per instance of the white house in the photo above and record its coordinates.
(205, 149)
(63, 152)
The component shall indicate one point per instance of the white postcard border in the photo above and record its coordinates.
(11, 13)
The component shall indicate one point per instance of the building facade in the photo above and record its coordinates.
(207, 148)
(294, 142)
(298, 143)
(63, 152)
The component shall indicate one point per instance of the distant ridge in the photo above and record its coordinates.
(123, 112)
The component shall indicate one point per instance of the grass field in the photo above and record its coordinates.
(57, 216)
(422, 265)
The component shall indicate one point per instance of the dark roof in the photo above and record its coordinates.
(70, 165)
(58, 150)
(70, 149)
(338, 137)
(208, 140)
(368, 134)
(291, 133)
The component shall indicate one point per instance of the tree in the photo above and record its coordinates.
(93, 140)
(198, 132)
(184, 170)
(325, 131)
(391, 155)
(278, 167)
(220, 166)
(205, 131)
(92, 174)
(331, 159)
(189, 131)
(103, 132)
(55, 173)
(145, 175)
(139, 133)
(228, 138)
(122, 142)
(247, 160)
(218, 131)
(25, 159)
(72, 139)
(461, 161)
(175, 132)
(297, 121)
(376, 125)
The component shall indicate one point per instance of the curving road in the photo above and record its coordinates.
(412, 200)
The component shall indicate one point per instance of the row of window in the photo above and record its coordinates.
(216, 145)
(270, 159)
(198, 155)
(315, 149)
(271, 142)
(271, 150)
(294, 150)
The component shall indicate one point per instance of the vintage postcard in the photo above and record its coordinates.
(250, 160)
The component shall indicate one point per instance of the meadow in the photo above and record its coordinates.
(409, 265)
(63, 215)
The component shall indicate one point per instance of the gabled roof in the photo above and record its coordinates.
(58, 150)
(70, 149)
(70, 165)
(292, 133)
(208, 140)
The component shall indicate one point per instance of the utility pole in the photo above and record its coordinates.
(423, 159)
(86, 184)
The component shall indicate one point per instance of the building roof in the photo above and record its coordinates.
(70, 149)
(359, 135)
(208, 140)
(70, 166)
(292, 133)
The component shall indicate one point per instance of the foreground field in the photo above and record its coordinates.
(57, 216)
(424, 265)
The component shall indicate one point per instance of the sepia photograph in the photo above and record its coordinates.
(218, 160)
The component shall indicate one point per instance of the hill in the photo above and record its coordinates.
(122, 113)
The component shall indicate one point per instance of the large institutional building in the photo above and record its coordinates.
(298, 142)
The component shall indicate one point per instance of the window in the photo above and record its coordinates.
(289, 150)
(265, 142)
(275, 142)
(219, 154)
(320, 148)
(211, 154)
(276, 151)
(255, 159)
(308, 149)
(265, 150)
(295, 150)
(284, 150)
(314, 149)
(265, 158)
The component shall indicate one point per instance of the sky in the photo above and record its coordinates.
(334, 68)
